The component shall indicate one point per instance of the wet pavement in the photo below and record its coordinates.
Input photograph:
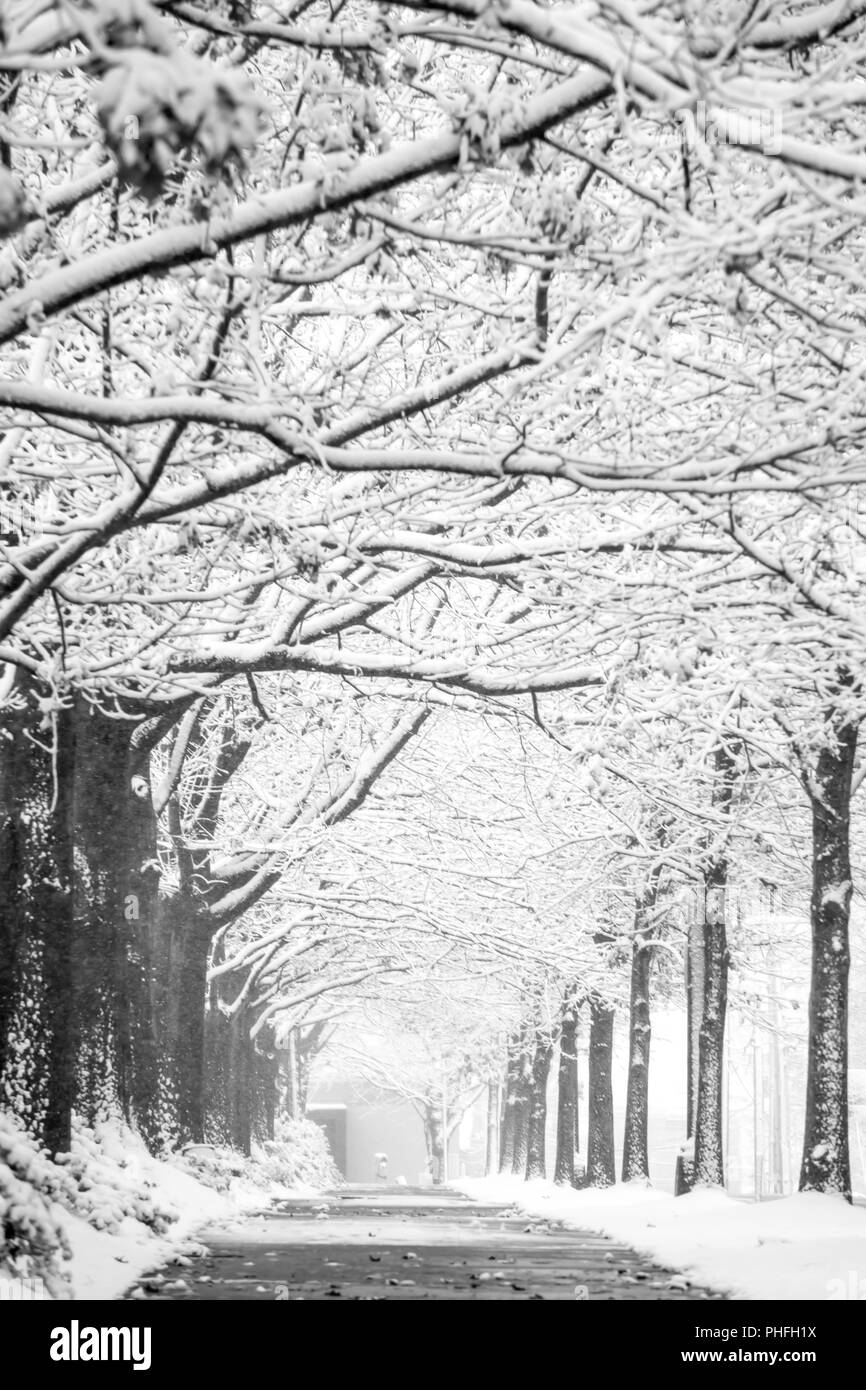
(370, 1244)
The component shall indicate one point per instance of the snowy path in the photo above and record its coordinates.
(377, 1243)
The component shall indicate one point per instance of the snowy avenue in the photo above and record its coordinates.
(432, 676)
(393, 1243)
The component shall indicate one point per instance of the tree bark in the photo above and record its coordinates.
(709, 1168)
(695, 976)
(491, 1156)
(826, 1163)
(182, 944)
(37, 1052)
(241, 1082)
(709, 1165)
(265, 1088)
(435, 1139)
(536, 1159)
(695, 985)
(635, 1157)
(600, 1157)
(114, 901)
(293, 1080)
(508, 1119)
(522, 1103)
(566, 1107)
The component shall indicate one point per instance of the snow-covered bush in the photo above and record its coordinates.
(33, 1244)
(105, 1184)
(213, 1166)
(110, 1182)
(300, 1154)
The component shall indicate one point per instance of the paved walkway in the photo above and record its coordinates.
(362, 1243)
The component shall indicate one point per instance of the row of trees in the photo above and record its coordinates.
(605, 905)
(437, 355)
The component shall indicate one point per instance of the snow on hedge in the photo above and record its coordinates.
(90, 1222)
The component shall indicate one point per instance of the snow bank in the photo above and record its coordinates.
(807, 1246)
(90, 1223)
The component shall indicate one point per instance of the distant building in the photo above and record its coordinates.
(360, 1130)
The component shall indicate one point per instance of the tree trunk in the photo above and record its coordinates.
(114, 900)
(709, 1165)
(434, 1138)
(306, 1057)
(217, 1108)
(826, 1164)
(293, 1081)
(507, 1126)
(182, 944)
(600, 1158)
(36, 1044)
(241, 1082)
(635, 1158)
(491, 1156)
(270, 1079)
(265, 1088)
(709, 1168)
(536, 1159)
(695, 985)
(566, 1108)
(694, 988)
(522, 1104)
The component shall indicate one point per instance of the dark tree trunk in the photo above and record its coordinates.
(90, 947)
(576, 1090)
(635, 1158)
(826, 1164)
(435, 1139)
(306, 1055)
(491, 1156)
(270, 1080)
(695, 985)
(233, 1110)
(264, 1091)
(37, 1051)
(566, 1109)
(600, 1157)
(694, 988)
(709, 1165)
(182, 943)
(114, 901)
(536, 1158)
(296, 1101)
(507, 1127)
(217, 1075)
(293, 1080)
(522, 1104)
(241, 1082)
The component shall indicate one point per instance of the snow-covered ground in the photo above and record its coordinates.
(106, 1261)
(89, 1225)
(803, 1247)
